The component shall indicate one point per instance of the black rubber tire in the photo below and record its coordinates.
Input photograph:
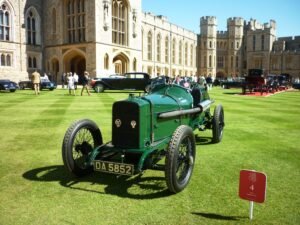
(218, 124)
(80, 139)
(180, 159)
(99, 88)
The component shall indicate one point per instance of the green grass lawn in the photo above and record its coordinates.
(261, 133)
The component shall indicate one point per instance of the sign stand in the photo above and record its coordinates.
(251, 210)
(252, 187)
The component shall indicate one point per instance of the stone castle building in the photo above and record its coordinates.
(115, 36)
(243, 46)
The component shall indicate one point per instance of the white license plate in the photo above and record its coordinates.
(113, 167)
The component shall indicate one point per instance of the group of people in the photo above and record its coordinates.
(184, 81)
(71, 80)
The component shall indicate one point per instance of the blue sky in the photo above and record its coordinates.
(187, 13)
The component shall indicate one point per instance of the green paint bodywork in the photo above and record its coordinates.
(154, 132)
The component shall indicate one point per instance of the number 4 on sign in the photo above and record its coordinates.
(252, 187)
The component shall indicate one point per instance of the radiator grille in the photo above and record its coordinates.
(125, 125)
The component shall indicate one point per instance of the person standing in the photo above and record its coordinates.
(71, 81)
(85, 82)
(36, 80)
(63, 77)
(75, 76)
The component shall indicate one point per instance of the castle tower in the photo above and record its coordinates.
(207, 46)
(235, 27)
(260, 39)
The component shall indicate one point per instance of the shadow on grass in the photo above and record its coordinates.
(136, 187)
(232, 93)
(218, 216)
(203, 140)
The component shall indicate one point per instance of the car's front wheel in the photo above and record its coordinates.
(79, 141)
(99, 88)
(180, 159)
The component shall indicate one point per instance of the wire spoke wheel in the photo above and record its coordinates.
(82, 146)
(79, 141)
(180, 159)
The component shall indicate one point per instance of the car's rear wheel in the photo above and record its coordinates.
(180, 159)
(80, 139)
(99, 88)
(218, 124)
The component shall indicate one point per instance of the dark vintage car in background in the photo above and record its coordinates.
(8, 85)
(296, 85)
(45, 84)
(232, 82)
(128, 81)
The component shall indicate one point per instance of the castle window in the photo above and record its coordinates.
(106, 62)
(29, 62)
(76, 24)
(32, 63)
(134, 64)
(158, 48)
(31, 29)
(5, 23)
(192, 55)
(209, 61)
(167, 50)
(180, 53)
(149, 47)
(3, 63)
(253, 43)
(186, 54)
(220, 62)
(54, 21)
(119, 22)
(6, 59)
(173, 51)
(262, 42)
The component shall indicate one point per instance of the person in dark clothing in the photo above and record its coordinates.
(85, 83)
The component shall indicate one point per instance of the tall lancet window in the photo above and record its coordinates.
(119, 22)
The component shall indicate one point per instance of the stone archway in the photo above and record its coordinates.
(74, 62)
(121, 63)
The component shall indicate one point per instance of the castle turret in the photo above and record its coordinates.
(235, 28)
(207, 43)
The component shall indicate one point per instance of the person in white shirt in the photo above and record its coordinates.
(70, 80)
(75, 76)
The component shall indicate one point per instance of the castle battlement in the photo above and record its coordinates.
(208, 20)
(255, 25)
(235, 21)
(222, 34)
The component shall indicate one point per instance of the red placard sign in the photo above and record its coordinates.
(253, 186)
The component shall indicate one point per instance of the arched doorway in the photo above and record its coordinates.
(75, 62)
(121, 63)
